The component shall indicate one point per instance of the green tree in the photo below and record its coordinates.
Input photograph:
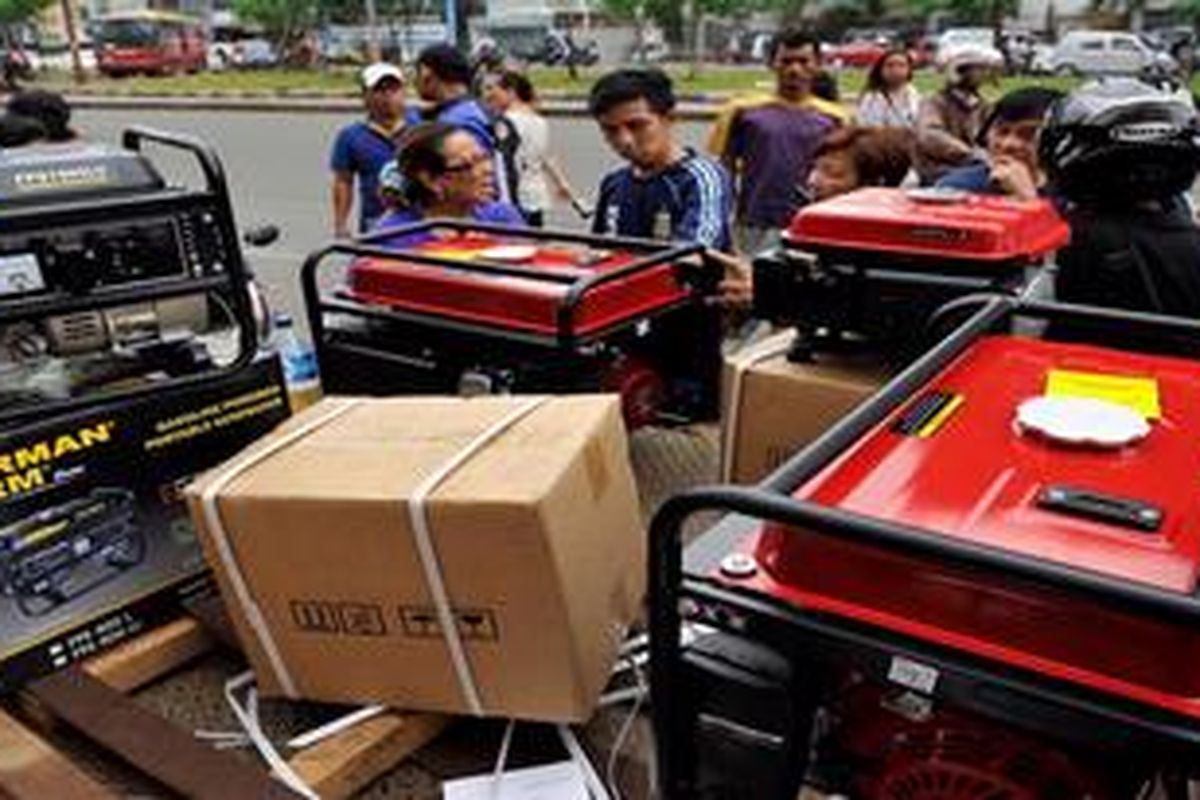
(285, 22)
(17, 11)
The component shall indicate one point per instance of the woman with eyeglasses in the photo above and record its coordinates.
(440, 171)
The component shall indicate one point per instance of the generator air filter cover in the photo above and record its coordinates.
(517, 303)
(947, 225)
(952, 462)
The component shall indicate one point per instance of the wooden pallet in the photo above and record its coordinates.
(93, 698)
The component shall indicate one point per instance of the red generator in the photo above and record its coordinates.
(869, 267)
(980, 584)
(479, 308)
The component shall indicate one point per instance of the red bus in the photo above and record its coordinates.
(149, 42)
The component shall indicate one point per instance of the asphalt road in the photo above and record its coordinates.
(277, 169)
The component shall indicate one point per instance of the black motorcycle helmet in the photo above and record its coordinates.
(1120, 141)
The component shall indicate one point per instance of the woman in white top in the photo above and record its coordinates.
(890, 99)
(510, 95)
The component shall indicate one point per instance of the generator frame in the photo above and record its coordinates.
(565, 340)
(679, 583)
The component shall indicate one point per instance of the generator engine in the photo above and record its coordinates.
(868, 268)
(113, 280)
(473, 308)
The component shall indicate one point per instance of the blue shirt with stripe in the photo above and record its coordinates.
(694, 193)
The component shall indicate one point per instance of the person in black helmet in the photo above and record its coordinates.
(1122, 156)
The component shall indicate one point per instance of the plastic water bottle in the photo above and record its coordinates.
(299, 364)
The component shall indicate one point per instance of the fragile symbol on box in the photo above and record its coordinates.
(473, 623)
(347, 618)
(314, 616)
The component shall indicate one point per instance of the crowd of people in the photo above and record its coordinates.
(480, 150)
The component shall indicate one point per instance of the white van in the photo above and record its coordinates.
(1105, 53)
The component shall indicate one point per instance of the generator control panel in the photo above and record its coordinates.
(122, 242)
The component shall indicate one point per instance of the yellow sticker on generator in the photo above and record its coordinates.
(1138, 393)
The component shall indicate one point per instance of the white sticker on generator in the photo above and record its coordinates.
(912, 675)
(20, 274)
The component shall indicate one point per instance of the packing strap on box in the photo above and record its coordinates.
(419, 518)
(743, 362)
(220, 537)
(422, 535)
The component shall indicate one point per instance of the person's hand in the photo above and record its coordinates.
(341, 232)
(1014, 178)
(736, 289)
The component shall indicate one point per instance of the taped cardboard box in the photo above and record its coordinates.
(465, 555)
(771, 407)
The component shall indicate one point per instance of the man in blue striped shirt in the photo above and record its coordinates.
(666, 191)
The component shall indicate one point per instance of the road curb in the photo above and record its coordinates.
(691, 111)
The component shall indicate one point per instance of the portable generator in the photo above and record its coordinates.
(479, 308)
(982, 583)
(62, 552)
(113, 282)
(868, 268)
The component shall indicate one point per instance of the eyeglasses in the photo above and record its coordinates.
(470, 164)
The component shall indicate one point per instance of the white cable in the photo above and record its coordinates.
(502, 759)
(595, 786)
(248, 718)
(619, 696)
(610, 769)
(624, 665)
(334, 727)
(639, 642)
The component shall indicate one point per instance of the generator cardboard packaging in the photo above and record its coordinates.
(95, 540)
(772, 407)
(481, 556)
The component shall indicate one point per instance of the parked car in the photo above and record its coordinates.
(1105, 53)
(978, 40)
(55, 54)
(252, 52)
(858, 48)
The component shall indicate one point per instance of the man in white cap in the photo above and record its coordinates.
(363, 148)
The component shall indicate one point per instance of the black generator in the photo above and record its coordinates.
(114, 283)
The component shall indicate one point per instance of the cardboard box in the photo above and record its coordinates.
(95, 541)
(534, 539)
(771, 407)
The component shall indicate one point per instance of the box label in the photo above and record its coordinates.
(95, 543)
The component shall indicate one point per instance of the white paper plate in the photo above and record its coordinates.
(1082, 421)
(509, 252)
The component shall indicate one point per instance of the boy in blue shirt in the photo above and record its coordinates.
(666, 191)
(363, 148)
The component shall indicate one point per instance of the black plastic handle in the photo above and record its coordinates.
(1124, 511)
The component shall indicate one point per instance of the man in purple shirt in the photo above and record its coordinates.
(768, 141)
